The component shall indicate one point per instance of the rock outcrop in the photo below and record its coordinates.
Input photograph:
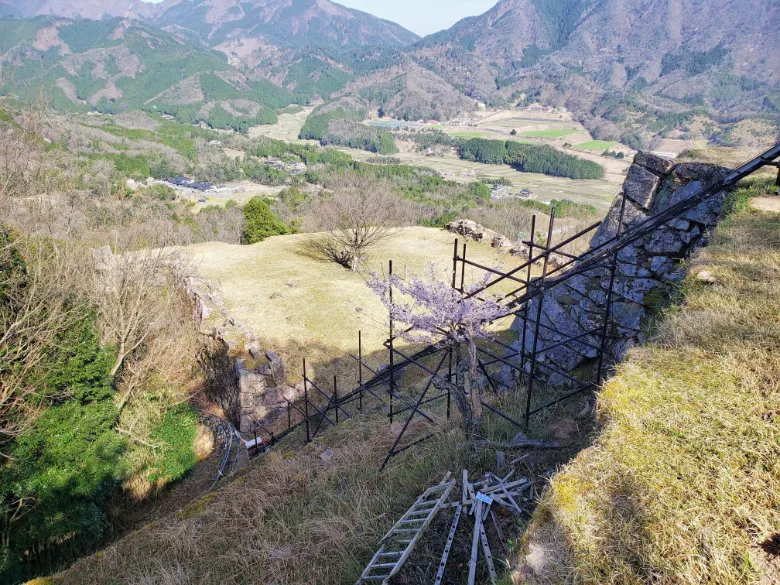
(474, 231)
(646, 272)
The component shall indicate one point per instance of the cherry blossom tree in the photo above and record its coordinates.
(431, 311)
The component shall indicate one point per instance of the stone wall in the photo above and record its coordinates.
(249, 382)
(646, 270)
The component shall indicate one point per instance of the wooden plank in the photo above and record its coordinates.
(487, 553)
(448, 546)
(499, 531)
(506, 486)
(477, 508)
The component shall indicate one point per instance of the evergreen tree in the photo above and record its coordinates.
(259, 222)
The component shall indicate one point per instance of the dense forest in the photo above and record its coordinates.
(530, 158)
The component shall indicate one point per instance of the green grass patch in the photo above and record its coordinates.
(550, 133)
(596, 145)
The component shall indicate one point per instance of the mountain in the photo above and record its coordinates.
(628, 69)
(407, 91)
(119, 64)
(95, 10)
(283, 22)
(621, 65)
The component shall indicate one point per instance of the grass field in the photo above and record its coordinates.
(496, 125)
(305, 307)
(596, 192)
(287, 128)
(683, 483)
(596, 145)
(551, 133)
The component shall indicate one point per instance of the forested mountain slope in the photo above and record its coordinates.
(617, 60)
(298, 22)
(118, 65)
(628, 69)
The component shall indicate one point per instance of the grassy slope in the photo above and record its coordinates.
(292, 518)
(684, 479)
(306, 307)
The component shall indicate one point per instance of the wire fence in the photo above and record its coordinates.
(503, 367)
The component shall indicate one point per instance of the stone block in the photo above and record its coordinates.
(640, 186)
(704, 172)
(653, 162)
(686, 191)
(665, 242)
(660, 264)
(628, 315)
(277, 368)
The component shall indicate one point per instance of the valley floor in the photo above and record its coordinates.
(683, 483)
(557, 129)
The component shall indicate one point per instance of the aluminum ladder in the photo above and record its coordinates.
(398, 543)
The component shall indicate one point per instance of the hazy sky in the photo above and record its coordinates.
(422, 16)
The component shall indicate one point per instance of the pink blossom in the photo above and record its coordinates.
(436, 311)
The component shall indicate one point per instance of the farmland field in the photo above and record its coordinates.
(549, 126)
(470, 134)
(287, 128)
(545, 188)
(551, 133)
(596, 145)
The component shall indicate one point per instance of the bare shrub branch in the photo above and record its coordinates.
(358, 213)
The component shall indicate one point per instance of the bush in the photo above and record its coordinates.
(260, 223)
(479, 191)
(62, 469)
(176, 435)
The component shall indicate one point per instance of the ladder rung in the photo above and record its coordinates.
(383, 565)
(391, 554)
(375, 577)
(418, 512)
(413, 530)
(412, 521)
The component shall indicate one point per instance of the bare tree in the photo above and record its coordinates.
(144, 312)
(36, 306)
(358, 213)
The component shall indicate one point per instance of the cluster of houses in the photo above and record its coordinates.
(296, 168)
(190, 184)
(505, 192)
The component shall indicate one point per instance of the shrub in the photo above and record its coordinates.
(176, 435)
(260, 223)
(61, 469)
(479, 191)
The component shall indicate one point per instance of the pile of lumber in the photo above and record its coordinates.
(476, 501)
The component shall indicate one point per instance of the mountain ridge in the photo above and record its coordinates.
(627, 69)
(297, 22)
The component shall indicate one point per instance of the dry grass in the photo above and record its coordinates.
(301, 306)
(683, 485)
(287, 128)
(296, 518)
(292, 519)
